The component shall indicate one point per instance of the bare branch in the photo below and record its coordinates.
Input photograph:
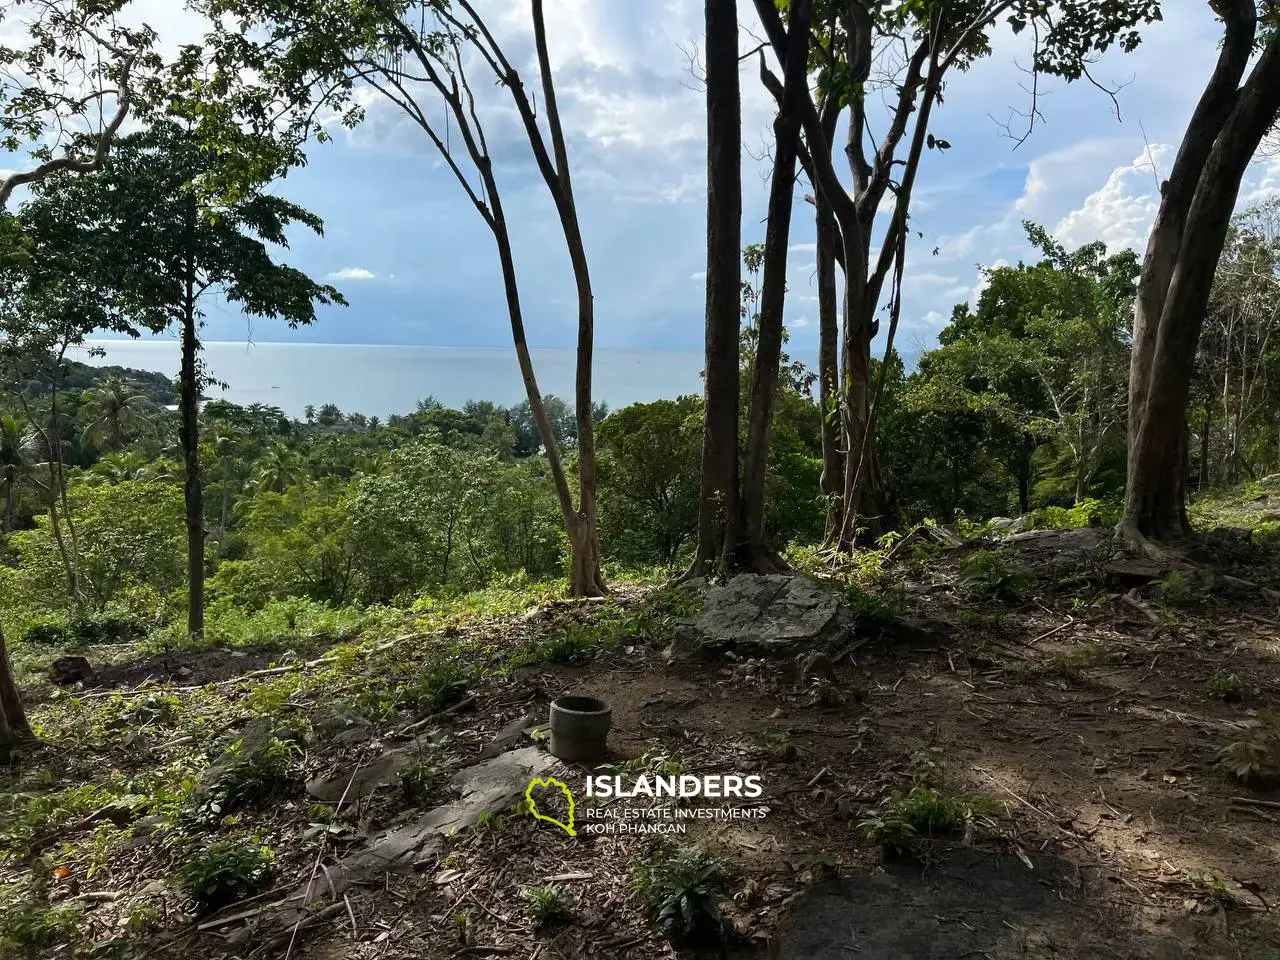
(70, 162)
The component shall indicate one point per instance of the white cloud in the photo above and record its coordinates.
(698, 277)
(1067, 171)
(352, 273)
(1120, 213)
(984, 282)
(935, 278)
(799, 323)
(803, 248)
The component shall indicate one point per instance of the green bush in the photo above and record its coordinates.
(224, 873)
(990, 574)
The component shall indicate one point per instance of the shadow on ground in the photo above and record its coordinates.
(968, 904)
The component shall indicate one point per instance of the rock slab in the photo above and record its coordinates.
(771, 615)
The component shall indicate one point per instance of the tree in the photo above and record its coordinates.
(278, 469)
(719, 519)
(764, 379)
(1182, 254)
(13, 443)
(111, 411)
(171, 251)
(934, 37)
(417, 54)
(77, 59)
(1237, 354)
(649, 478)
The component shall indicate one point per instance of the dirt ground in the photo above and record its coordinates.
(1082, 716)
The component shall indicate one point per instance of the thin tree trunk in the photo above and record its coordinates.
(764, 385)
(718, 509)
(1155, 496)
(1204, 446)
(14, 727)
(827, 255)
(189, 435)
(587, 580)
(829, 362)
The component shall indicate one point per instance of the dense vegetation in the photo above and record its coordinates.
(1020, 408)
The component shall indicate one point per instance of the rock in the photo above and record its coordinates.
(1048, 549)
(816, 666)
(360, 780)
(769, 615)
(66, 671)
(511, 735)
(1126, 574)
(487, 787)
(340, 724)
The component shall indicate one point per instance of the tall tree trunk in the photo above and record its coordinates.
(586, 579)
(1182, 255)
(14, 727)
(719, 509)
(764, 380)
(189, 436)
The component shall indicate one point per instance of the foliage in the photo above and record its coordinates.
(649, 467)
(547, 904)
(29, 927)
(1256, 756)
(130, 539)
(1226, 687)
(923, 811)
(991, 574)
(226, 872)
(1181, 588)
(682, 889)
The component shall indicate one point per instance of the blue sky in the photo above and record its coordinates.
(418, 266)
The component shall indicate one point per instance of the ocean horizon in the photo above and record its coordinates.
(379, 379)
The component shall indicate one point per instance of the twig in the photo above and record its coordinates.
(1272, 804)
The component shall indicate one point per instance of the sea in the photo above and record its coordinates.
(379, 380)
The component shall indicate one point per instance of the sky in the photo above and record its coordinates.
(418, 266)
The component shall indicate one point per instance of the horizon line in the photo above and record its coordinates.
(329, 343)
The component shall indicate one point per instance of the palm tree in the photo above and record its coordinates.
(310, 413)
(278, 469)
(120, 467)
(112, 410)
(13, 457)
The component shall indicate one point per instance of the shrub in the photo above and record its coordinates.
(1255, 757)
(991, 575)
(547, 904)
(1226, 687)
(224, 873)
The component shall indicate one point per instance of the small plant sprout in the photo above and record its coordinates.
(547, 904)
(1226, 687)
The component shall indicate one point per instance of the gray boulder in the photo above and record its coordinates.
(773, 615)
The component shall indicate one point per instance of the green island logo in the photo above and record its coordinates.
(550, 783)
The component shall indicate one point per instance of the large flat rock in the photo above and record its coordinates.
(771, 614)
